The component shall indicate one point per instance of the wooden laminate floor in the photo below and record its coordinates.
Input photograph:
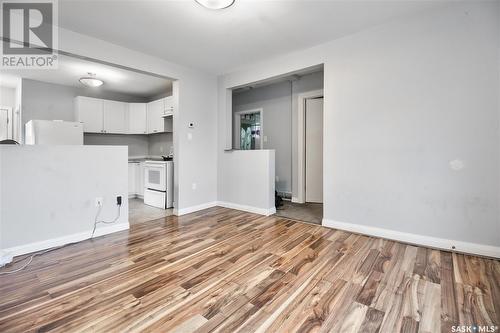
(229, 271)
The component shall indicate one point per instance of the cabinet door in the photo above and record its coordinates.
(140, 179)
(137, 120)
(169, 106)
(132, 178)
(89, 111)
(115, 117)
(155, 119)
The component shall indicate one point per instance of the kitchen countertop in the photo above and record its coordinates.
(144, 158)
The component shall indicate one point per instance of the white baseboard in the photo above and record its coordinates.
(250, 209)
(428, 241)
(296, 200)
(49, 243)
(256, 210)
(192, 209)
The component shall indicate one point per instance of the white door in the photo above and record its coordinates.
(89, 112)
(5, 124)
(115, 117)
(137, 120)
(155, 116)
(314, 149)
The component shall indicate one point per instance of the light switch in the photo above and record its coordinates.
(190, 136)
(265, 138)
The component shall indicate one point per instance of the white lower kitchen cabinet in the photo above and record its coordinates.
(140, 180)
(135, 179)
(133, 169)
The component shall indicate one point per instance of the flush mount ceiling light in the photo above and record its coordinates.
(215, 4)
(91, 81)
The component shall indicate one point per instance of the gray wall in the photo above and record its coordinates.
(49, 192)
(279, 104)
(160, 144)
(402, 101)
(138, 145)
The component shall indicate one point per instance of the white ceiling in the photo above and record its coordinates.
(70, 70)
(217, 41)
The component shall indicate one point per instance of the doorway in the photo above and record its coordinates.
(308, 204)
(281, 99)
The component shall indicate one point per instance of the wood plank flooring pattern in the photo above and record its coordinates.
(223, 270)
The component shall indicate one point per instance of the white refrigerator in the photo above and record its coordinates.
(53, 132)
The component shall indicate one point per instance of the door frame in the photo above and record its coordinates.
(237, 124)
(301, 144)
(10, 128)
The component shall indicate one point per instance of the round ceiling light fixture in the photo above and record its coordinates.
(215, 4)
(91, 81)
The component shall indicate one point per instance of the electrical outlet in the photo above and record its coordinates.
(99, 201)
(193, 186)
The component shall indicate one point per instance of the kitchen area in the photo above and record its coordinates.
(147, 129)
(94, 104)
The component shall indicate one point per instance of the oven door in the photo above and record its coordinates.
(155, 177)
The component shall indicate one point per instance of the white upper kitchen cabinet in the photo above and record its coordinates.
(168, 106)
(155, 110)
(137, 119)
(89, 111)
(115, 117)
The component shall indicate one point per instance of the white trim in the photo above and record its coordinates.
(10, 119)
(192, 209)
(301, 167)
(81, 236)
(237, 124)
(295, 199)
(245, 208)
(428, 241)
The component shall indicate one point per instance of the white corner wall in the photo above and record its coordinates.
(402, 102)
(248, 182)
(47, 194)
